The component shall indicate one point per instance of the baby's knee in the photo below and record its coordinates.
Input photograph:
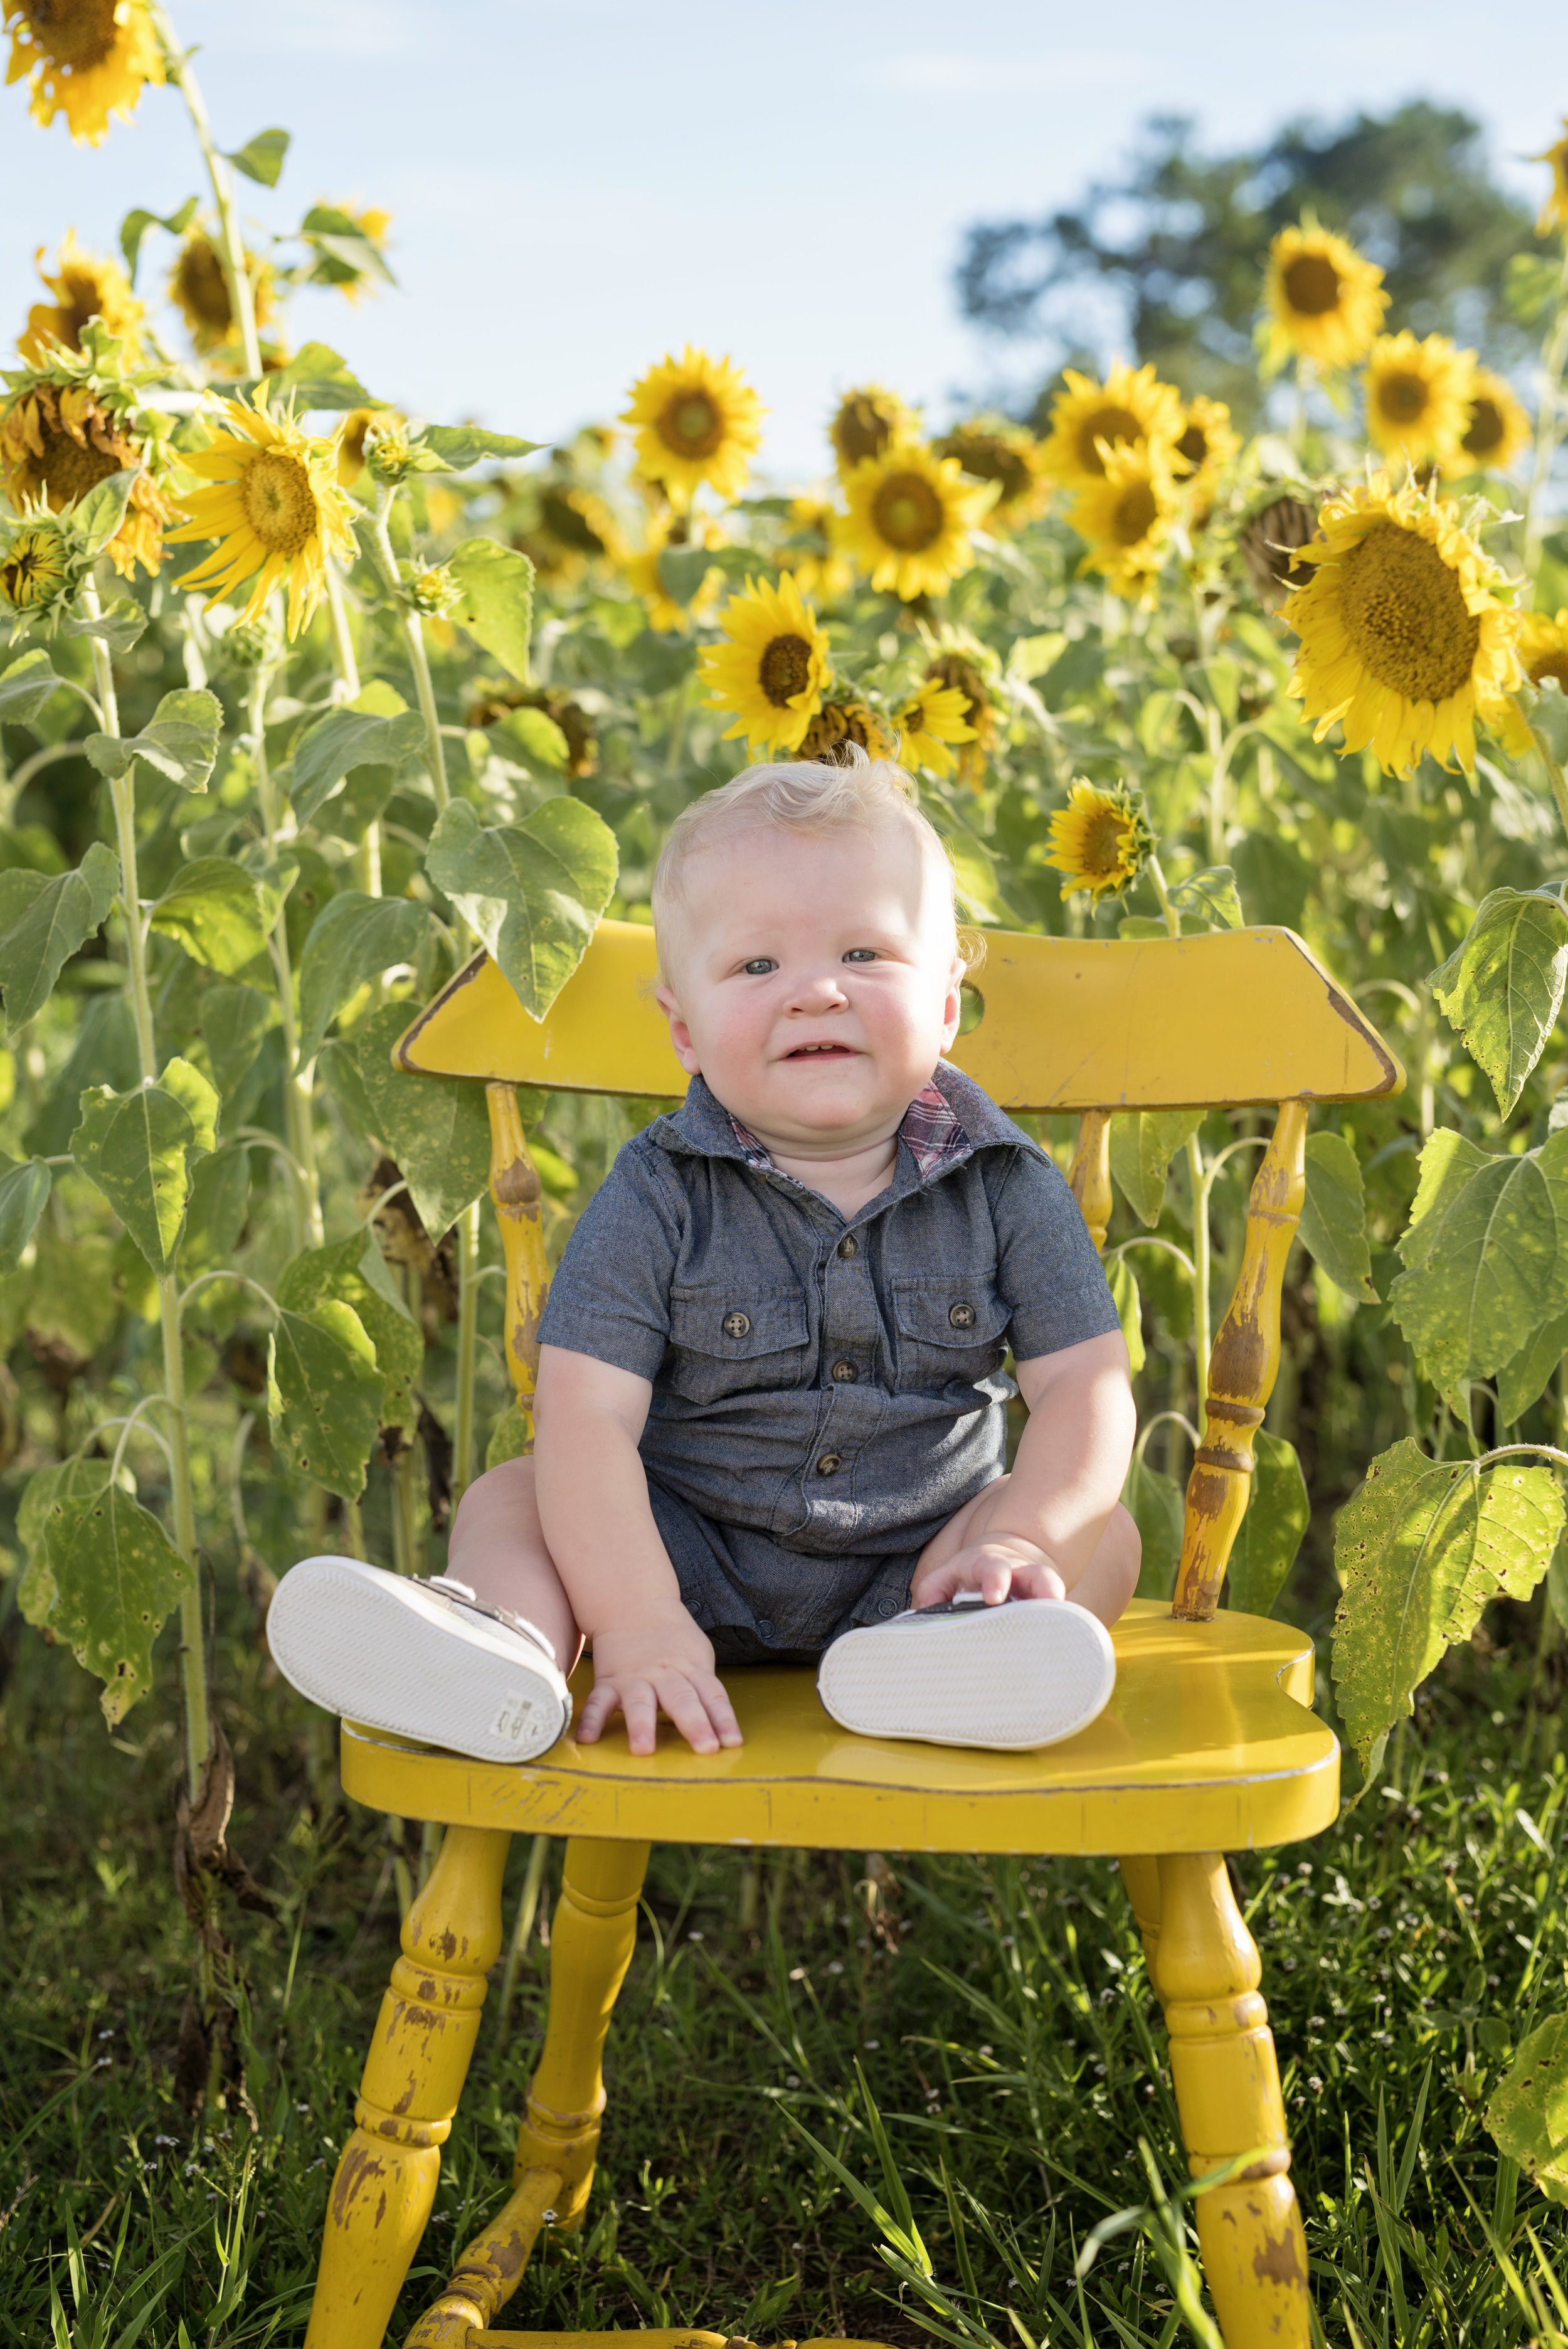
(505, 1492)
(1122, 1546)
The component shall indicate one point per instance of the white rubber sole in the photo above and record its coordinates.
(391, 1653)
(1028, 1673)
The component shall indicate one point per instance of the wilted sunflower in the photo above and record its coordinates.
(837, 722)
(1204, 447)
(198, 285)
(909, 520)
(86, 59)
(1325, 300)
(864, 423)
(1418, 396)
(1543, 646)
(643, 573)
(85, 285)
(1125, 519)
(274, 505)
(932, 723)
(1129, 410)
(773, 669)
(1404, 640)
(568, 527)
(700, 420)
(60, 438)
(809, 553)
(991, 449)
(1554, 210)
(1498, 432)
(1101, 840)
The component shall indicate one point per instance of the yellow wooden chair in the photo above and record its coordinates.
(1208, 1744)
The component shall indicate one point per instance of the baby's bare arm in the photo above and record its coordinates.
(648, 1654)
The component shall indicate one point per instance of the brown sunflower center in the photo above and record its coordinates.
(690, 424)
(279, 501)
(1194, 447)
(77, 34)
(835, 723)
(1134, 513)
(1403, 397)
(860, 428)
(908, 513)
(201, 287)
(1486, 429)
(1311, 285)
(1551, 664)
(785, 669)
(1406, 615)
(1108, 423)
(988, 459)
(1101, 844)
(81, 298)
(67, 469)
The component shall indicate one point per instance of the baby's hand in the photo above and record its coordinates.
(661, 1664)
(1004, 1566)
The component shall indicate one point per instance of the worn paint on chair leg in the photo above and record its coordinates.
(490, 2269)
(1228, 2094)
(418, 2059)
(1241, 1372)
(519, 1196)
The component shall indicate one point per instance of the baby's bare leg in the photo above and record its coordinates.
(498, 1548)
(1106, 1583)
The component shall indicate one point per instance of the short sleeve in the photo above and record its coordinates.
(610, 1297)
(1047, 1271)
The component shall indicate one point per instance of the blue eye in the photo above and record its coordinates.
(760, 967)
(861, 954)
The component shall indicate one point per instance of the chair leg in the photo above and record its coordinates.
(1228, 2095)
(591, 1937)
(386, 2179)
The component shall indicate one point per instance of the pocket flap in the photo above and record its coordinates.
(708, 1320)
(948, 1310)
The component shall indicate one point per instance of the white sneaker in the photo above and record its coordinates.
(424, 1660)
(1027, 1673)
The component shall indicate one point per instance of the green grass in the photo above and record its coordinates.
(1010, 2051)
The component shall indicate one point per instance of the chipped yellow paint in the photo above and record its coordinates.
(519, 1198)
(1088, 1177)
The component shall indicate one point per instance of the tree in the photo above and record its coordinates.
(1177, 243)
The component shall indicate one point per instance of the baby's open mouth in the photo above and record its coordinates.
(820, 1052)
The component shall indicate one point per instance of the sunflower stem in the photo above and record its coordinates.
(341, 642)
(1555, 775)
(1548, 424)
(192, 1645)
(241, 302)
(306, 1227)
(413, 640)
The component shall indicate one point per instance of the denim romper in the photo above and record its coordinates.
(826, 1392)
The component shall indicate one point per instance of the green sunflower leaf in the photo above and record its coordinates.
(1143, 1141)
(324, 1395)
(353, 1272)
(330, 750)
(214, 906)
(319, 378)
(117, 1579)
(1156, 1505)
(1485, 1256)
(261, 158)
(1523, 1380)
(1272, 1529)
(1501, 988)
(136, 223)
(1528, 2114)
(1129, 1307)
(181, 743)
(463, 445)
(137, 1147)
(532, 891)
(44, 922)
(24, 687)
(354, 938)
(497, 608)
(437, 1128)
(1209, 896)
(118, 626)
(98, 516)
(1333, 1217)
(24, 1194)
(234, 1019)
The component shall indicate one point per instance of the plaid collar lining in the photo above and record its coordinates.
(931, 1128)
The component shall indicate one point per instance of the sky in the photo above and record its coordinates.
(577, 188)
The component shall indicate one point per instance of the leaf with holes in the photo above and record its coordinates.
(214, 907)
(1143, 1141)
(117, 1579)
(1485, 1254)
(44, 922)
(79, 1478)
(1333, 1217)
(1528, 2114)
(1420, 1549)
(181, 743)
(1129, 1307)
(532, 891)
(354, 1272)
(24, 1196)
(497, 608)
(1271, 1531)
(437, 1128)
(1501, 987)
(324, 1395)
(354, 938)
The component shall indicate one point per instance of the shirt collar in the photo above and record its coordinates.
(930, 1128)
(947, 1121)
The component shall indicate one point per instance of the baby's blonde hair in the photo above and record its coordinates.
(855, 792)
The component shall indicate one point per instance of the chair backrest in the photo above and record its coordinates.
(1095, 1025)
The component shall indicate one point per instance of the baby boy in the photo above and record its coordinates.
(772, 1410)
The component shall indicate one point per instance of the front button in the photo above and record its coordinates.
(848, 1246)
(736, 1325)
(829, 1464)
(887, 1608)
(845, 1373)
(962, 1316)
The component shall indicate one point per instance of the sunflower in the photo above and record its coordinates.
(1125, 518)
(961, 664)
(86, 59)
(700, 420)
(577, 727)
(198, 285)
(1543, 646)
(1499, 430)
(1325, 301)
(1131, 410)
(864, 422)
(1204, 448)
(85, 285)
(1403, 639)
(1270, 538)
(932, 723)
(58, 439)
(909, 520)
(35, 568)
(837, 722)
(1554, 210)
(772, 670)
(643, 573)
(990, 448)
(1101, 840)
(811, 558)
(275, 507)
(1418, 396)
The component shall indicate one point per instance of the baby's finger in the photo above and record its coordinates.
(720, 1712)
(1037, 1581)
(640, 1704)
(997, 1577)
(686, 1710)
(602, 1704)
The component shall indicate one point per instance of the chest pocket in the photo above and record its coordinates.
(728, 1339)
(952, 1330)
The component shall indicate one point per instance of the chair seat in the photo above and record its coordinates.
(1207, 1744)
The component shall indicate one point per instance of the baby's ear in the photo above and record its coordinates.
(680, 1034)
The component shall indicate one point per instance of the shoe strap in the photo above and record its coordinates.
(464, 1595)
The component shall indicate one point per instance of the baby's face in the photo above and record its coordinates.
(814, 980)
